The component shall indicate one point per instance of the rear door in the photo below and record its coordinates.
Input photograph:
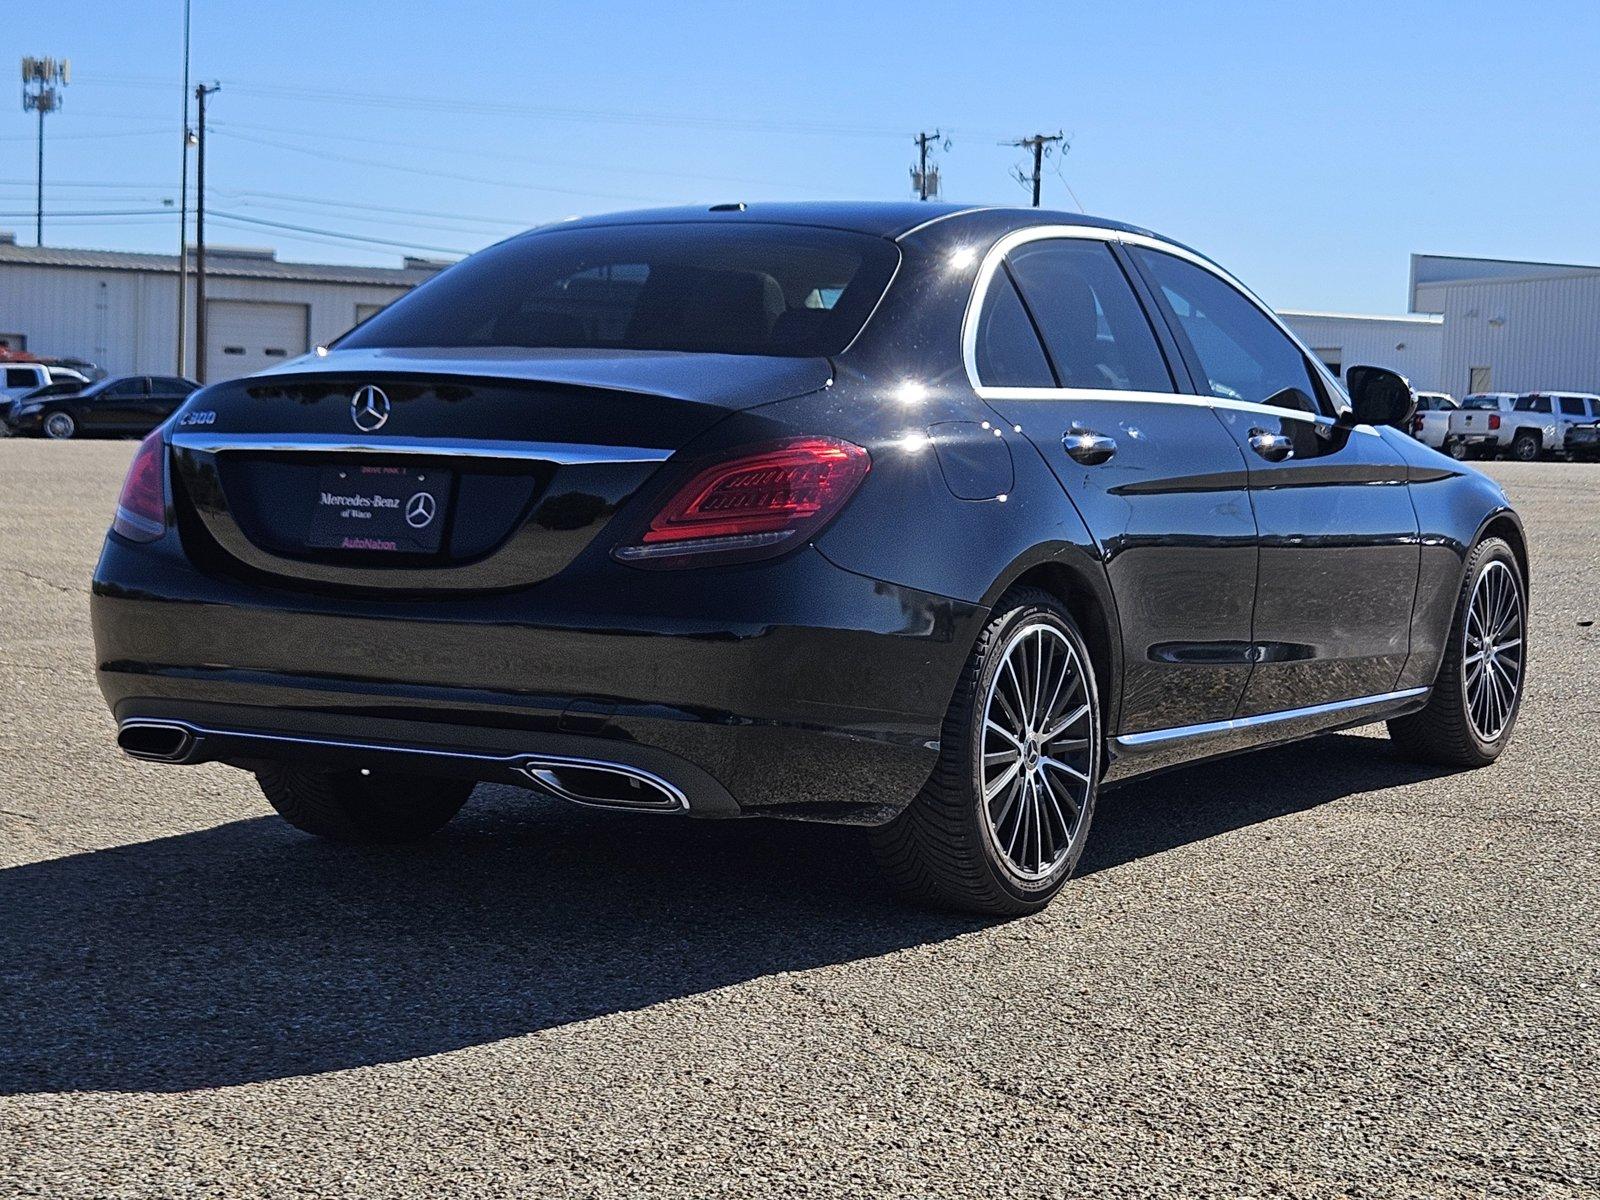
(1160, 484)
(1339, 544)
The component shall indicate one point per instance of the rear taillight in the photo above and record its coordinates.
(1416, 423)
(1494, 420)
(758, 504)
(142, 507)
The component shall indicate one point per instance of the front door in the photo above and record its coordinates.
(1339, 543)
(1159, 482)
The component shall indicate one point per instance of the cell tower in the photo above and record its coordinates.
(42, 81)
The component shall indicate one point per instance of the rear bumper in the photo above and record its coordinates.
(788, 688)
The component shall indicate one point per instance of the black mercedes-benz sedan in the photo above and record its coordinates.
(928, 519)
(121, 404)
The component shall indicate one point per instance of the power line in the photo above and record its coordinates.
(349, 237)
(374, 162)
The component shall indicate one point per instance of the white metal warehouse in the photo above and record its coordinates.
(120, 309)
(1476, 325)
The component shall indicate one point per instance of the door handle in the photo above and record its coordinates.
(1087, 447)
(1274, 447)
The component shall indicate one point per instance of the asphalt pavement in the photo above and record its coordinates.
(1313, 972)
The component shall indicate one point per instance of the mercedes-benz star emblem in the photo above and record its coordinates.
(419, 510)
(369, 409)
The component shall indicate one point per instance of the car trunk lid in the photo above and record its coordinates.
(445, 470)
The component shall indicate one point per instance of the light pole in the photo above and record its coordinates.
(42, 81)
(183, 213)
(201, 91)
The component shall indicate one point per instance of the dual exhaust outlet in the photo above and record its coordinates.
(585, 781)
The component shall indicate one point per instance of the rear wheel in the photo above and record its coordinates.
(1469, 718)
(60, 425)
(1457, 449)
(1002, 822)
(358, 806)
(1525, 446)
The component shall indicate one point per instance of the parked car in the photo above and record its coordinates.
(23, 377)
(1583, 441)
(930, 519)
(120, 404)
(1431, 424)
(1570, 409)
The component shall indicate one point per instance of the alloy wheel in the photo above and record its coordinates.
(59, 425)
(1038, 751)
(1492, 650)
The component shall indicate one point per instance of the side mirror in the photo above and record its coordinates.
(1380, 396)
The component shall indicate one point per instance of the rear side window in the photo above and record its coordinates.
(1242, 353)
(1093, 327)
(1008, 351)
(725, 289)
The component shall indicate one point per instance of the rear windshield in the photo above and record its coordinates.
(748, 289)
(1481, 402)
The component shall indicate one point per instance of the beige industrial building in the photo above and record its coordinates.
(120, 309)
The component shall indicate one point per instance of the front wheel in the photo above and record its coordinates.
(1002, 822)
(1469, 718)
(60, 425)
(362, 806)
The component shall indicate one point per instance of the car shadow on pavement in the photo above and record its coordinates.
(248, 952)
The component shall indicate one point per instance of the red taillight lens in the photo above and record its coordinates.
(758, 504)
(1416, 423)
(1494, 420)
(142, 507)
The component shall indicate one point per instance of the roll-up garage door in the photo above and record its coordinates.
(244, 336)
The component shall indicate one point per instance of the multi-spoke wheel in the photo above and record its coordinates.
(1002, 822)
(1038, 738)
(1493, 650)
(1469, 718)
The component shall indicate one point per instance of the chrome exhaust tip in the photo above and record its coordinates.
(604, 785)
(156, 741)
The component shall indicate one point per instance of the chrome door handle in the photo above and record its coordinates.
(1085, 446)
(1274, 447)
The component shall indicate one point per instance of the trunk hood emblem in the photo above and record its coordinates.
(369, 409)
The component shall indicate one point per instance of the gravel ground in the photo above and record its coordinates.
(1317, 971)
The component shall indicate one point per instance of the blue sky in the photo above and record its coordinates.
(1309, 147)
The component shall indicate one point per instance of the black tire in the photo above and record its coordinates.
(348, 806)
(940, 850)
(1444, 733)
(1458, 450)
(1525, 447)
(60, 426)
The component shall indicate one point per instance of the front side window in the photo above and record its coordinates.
(1241, 352)
(723, 289)
(1537, 404)
(1093, 327)
(20, 377)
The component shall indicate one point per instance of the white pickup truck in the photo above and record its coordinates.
(20, 378)
(1490, 423)
(1430, 424)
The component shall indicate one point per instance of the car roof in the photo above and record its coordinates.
(882, 218)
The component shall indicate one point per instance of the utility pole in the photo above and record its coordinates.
(183, 215)
(925, 182)
(200, 94)
(1039, 145)
(42, 81)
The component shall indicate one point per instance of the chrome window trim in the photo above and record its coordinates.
(561, 453)
(1036, 233)
(1155, 736)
